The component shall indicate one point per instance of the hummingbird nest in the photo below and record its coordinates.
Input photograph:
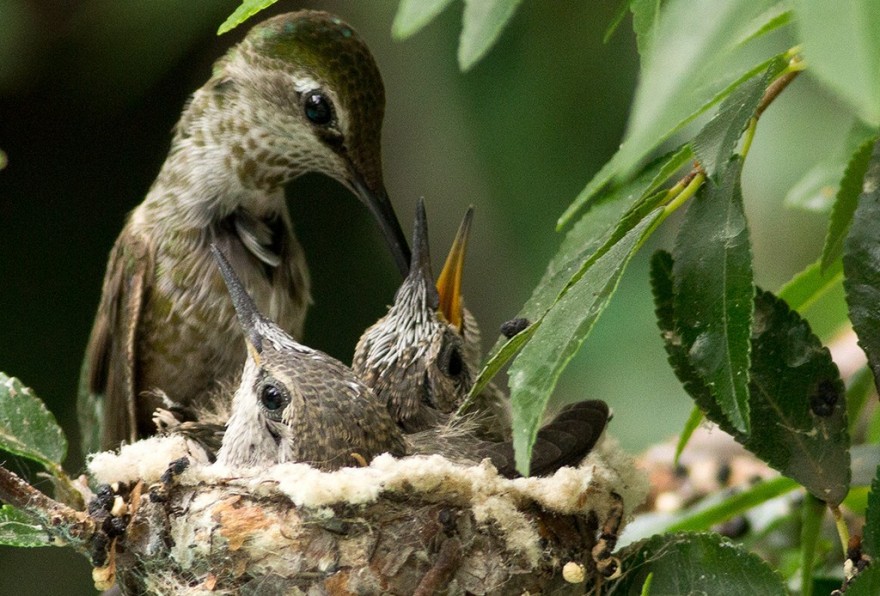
(415, 525)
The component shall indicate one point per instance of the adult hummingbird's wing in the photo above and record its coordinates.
(107, 386)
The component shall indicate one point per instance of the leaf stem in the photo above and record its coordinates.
(696, 178)
(842, 529)
(795, 66)
(813, 510)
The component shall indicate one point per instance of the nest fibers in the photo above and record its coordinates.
(419, 524)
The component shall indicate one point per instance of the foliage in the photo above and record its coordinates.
(749, 358)
(723, 567)
(17, 529)
(27, 428)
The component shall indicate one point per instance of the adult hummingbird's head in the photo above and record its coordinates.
(417, 358)
(302, 93)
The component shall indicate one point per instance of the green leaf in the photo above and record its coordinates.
(692, 424)
(17, 529)
(498, 359)
(867, 583)
(482, 23)
(4, 160)
(683, 70)
(861, 265)
(776, 16)
(842, 46)
(412, 15)
(627, 157)
(797, 410)
(816, 190)
(652, 177)
(871, 531)
(799, 423)
(622, 11)
(246, 10)
(534, 373)
(646, 15)
(808, 286)
(738, 503)
(606, 222)
(811, 523)
(600, 227)
(713, 287)
(715, 143)
(27, 428)
(861, 387)
(845, 203)
(694, 563)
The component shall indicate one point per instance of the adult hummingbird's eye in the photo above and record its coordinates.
(273, 397)
(318, 108)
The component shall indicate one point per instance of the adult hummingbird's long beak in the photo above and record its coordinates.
(380, 206)
(248, 315)
(449, 282)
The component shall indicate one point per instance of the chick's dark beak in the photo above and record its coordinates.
(420, 271)
(248, 315)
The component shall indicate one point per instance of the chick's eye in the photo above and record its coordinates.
(272, 398)
(318, 109)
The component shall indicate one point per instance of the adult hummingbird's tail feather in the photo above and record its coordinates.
(564, 441)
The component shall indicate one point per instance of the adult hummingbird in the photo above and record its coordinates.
(301, 93)
(422, 357)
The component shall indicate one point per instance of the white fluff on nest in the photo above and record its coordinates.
(492, 497)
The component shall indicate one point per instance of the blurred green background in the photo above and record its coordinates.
(89, 92)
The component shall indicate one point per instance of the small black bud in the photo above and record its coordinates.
(513, 327)
(115, 526)
(446, 517)
(175, 468)
(98, 553)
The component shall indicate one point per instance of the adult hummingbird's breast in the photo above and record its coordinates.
(194, 341)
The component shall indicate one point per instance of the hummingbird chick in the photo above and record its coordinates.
(301, 93)
(422, 357)
(296, 404)
(421, 360)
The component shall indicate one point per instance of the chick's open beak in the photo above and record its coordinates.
(449, 282)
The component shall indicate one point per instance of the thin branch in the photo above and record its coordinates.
(777, 87)
(74, 528)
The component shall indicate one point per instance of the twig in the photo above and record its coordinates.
(74, 528)
(777, 87)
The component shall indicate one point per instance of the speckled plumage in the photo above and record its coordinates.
(164, 322)
(317, 411)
